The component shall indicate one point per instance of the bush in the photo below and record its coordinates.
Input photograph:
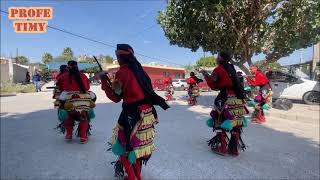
(17, 88)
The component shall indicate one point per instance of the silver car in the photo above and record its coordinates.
(179, 84)
(289, 86)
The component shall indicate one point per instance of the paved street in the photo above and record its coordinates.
(32, 149)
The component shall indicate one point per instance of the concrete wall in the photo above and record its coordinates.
(19, 74)
(4, 72)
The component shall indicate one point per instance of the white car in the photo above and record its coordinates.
(292, 87)
(179, 84)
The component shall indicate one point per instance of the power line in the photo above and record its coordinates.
(145, 29)
(102, 43)
(81, 36)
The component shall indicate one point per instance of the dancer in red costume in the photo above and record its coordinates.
(193, 90)
(56, 91)
(264, 96)
(169, 88)
(134, 133)
(77, 83)
(229, 108)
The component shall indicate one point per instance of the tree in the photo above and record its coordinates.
(21, 60)
(67, 54)
(189, 68)
(46, 58)
(87, 59)
(263, 65)
(245, 28)
(105, 59)
(108, 59)
(209, 61)
(92, 70)
(101, 58)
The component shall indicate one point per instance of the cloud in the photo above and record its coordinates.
(147, 42)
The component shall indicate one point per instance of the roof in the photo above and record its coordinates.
(21, 65)
(149, 66)
(55, 65)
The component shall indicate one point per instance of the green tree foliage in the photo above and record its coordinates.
(209, 61)
(263, 65)
(87, 59)
(92, 70)
(245, 28)
(105, 59)
(45, 74)
(101, 58)
(189, 68)
(46, 58)
(21, 60)
(67, 54)
(108, 59)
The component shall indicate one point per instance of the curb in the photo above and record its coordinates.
(291, 116)
(7, 94)
(287, 115)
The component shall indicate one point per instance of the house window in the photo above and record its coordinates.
(177, 75)
(166, 74)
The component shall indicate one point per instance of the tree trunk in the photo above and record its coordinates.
(244, 69)
(249, 61)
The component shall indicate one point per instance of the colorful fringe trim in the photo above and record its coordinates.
(146, 134)
(195, 92)
(230, 116)
(144, 150)
(79, 102)
(141, 137)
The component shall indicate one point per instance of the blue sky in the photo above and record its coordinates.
(112, 22)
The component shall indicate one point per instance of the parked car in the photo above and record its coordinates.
(158, 85)
(289, 86)
(180, 84)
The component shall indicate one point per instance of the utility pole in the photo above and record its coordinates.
(300, 67)
(315, 60)
(10, 69)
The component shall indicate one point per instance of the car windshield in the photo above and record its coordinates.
(175, 80)
(183, 81)
(281, 76)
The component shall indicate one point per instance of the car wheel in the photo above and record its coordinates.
(311, 97)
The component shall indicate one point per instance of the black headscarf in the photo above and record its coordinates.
(141, 76)
(193, 76)
(74, 72)
(63, 68)
(238, 87)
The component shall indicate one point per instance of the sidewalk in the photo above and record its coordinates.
(297, 112)
(48, 84)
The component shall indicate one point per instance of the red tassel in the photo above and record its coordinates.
(128, 168)
(137, 169)
(68, 125)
